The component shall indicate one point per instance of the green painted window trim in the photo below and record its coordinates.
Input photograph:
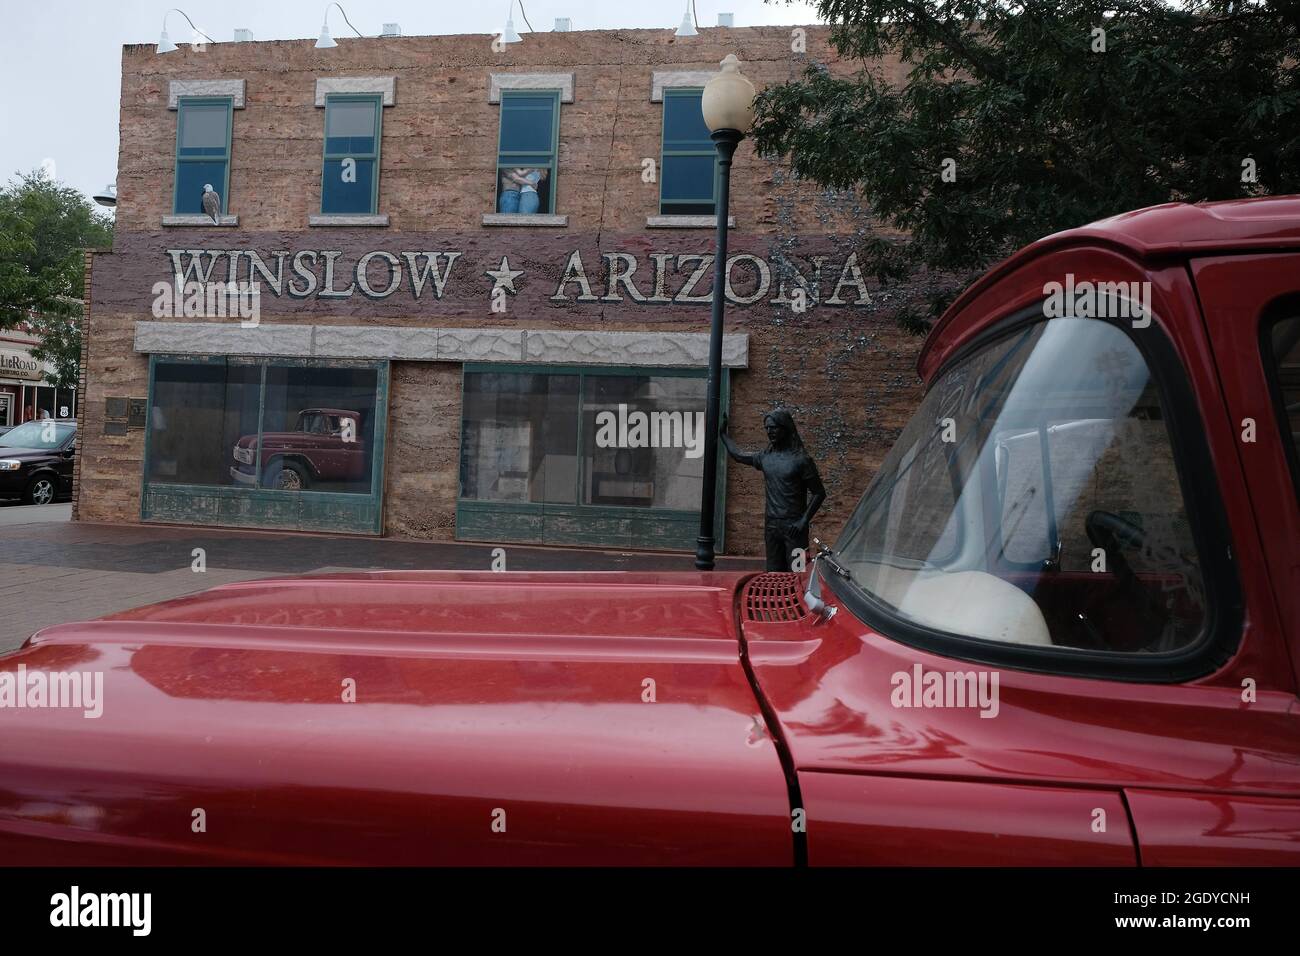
(374, 499)
(710, 207)
(327, 157)
(552, 166)
(181, 104)
(598, 511)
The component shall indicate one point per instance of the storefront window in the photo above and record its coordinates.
(316, 433)
(197, 413)
(520, 438)
(318, 429)
(643, 441)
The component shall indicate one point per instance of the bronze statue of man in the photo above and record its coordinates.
(793, 486)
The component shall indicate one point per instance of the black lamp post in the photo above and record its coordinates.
(728, 106)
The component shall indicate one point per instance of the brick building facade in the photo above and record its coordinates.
(425, 364)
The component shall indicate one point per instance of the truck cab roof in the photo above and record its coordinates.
(1153, 235)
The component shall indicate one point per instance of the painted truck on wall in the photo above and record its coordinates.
(1062, 627)
(325, 446)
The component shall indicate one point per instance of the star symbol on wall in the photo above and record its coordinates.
(503, 276)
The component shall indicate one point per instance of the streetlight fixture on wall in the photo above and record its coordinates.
(326, 41)
(107, 196)
(165, 45)
(728, 106)
(508, 35)
(689, 22)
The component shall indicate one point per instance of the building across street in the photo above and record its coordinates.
(27, 389)
(397, 287)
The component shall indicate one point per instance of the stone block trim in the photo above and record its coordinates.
(673, 79)
(528, 220)
(662, 349)
(686, 222)
(199, 220)
(347, 220)
(384, 85)
(232, 88)
(531, 81)
(400, 343)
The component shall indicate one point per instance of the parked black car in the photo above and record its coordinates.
(36, 460)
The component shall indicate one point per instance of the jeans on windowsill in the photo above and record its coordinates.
(508, 201)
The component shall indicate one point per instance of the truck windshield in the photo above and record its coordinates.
(1034, 499)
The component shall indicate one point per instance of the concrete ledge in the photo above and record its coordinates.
(480, 345)
(232, 88)
(348, 220)
(534, 220)
(639, 349)
(200, 220)
(385, 85)
(530, 81)
(222, 338)
(676, 349)
(686, 222)
(662, 79)
(376, 342)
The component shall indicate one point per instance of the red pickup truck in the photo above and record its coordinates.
(325, 446)
(1062, 627)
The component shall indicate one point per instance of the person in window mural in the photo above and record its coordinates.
(519, 190)
(794, 489)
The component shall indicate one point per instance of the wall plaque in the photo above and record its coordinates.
(115, 408)
(136, 413)
(114, 428)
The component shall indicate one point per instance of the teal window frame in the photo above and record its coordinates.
(327, 157)
(710, 207)
(551, 167)
(182, 104)
(270, 508)
(595, 512)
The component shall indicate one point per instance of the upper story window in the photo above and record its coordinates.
(688, 170)
(530, 129)
(350, 178)
(202, 153)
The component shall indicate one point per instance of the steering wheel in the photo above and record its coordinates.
(1115, 535)
(1111, 533)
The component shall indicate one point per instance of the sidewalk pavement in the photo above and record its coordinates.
(53, 570)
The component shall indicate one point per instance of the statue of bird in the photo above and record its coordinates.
(212, 203)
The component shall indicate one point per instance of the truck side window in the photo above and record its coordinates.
(1282, 343)
(1068, 528)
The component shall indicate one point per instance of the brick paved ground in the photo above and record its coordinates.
(53, 571)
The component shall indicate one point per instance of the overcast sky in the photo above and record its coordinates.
(60, 73)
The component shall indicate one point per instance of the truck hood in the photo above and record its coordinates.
(402, 717)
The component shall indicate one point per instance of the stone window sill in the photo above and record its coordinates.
(686, 222)
(199, 220)
(534, 219)
(347, 220)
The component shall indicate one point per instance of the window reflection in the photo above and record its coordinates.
(316, 432)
